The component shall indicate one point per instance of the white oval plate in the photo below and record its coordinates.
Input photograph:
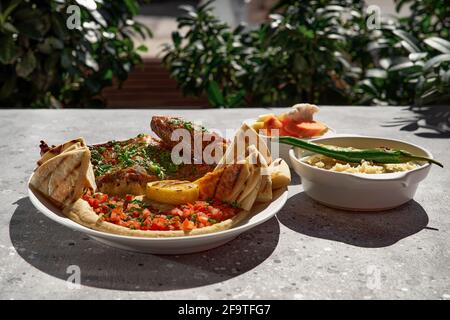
(178, 245)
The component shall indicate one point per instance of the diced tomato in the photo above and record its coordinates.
(176, 212)
(146, 213)
(101, 197)
(202, 219)
(94, 203)
(184, 217)
(135, 214)
(114, 217)
(187, 225)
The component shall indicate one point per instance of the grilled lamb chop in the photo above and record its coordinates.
(164, 126)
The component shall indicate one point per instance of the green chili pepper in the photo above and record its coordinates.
(376, 155)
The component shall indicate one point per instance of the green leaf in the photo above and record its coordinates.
(9, 27)
(417, 56)
(5, 14)
(142, 48)
(108, 75)
(412, 42)
(401, 66)
(215, 95)
(236, 99)
(8, 50)
(132, 6)
(408, 46)
(309, 34)
(439, 44)
(176, 38)
(26, 66)
(436, 61)
(376, 73)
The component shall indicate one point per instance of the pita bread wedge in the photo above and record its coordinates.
(265, 191)
(229, 182)
(64, 178)
(247, 202)
(208, 183)
(239, 148)
(244, 175)
(65, 147)
(280, 173)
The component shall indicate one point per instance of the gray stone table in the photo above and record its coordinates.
(307, 252)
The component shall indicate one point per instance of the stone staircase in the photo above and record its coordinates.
(150, 86)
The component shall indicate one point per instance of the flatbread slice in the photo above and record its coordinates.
(208, 183)
(64, 178)
(239, 148)
(229, 182)
(247, 202)
(280, 173)
(65, 147)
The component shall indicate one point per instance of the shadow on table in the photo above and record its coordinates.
(52, 248)
(370, 230)
(436, 119)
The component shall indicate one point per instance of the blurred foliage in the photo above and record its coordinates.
(318, 51)
(208, 57)
(411, 64)
(45, 63)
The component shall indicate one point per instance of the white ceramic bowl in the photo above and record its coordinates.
(360, 192)
(281, 150)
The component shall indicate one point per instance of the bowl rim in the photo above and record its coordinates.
(366, 176)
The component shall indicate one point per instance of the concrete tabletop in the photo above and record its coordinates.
(307, 252)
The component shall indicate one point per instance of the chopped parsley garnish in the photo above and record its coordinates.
(188, 125)
(234, 204)
(101, 169)
(212, 221)
(138, 202)
(135, 153)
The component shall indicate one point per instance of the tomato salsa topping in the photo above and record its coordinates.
(135, 214)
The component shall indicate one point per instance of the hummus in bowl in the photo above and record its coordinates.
(361, 186)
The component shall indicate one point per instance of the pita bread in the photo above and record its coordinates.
(280, 173)
(239, 148)
(208, 183)
(64, 178)
(265, 191)
(65, 147)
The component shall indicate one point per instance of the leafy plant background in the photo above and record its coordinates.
(43, 63)
(318, 51)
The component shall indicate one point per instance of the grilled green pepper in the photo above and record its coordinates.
(376, 155)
